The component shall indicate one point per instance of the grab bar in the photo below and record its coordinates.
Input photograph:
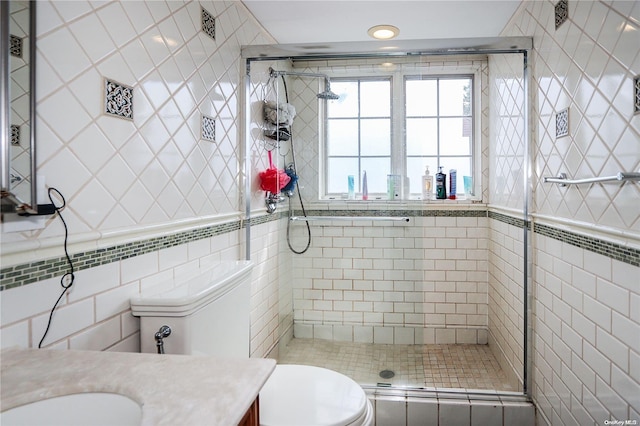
(564, 181)
(376, 218)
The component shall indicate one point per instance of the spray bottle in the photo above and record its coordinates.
(441, 185)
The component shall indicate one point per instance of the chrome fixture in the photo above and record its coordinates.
(563, 180)
(327, 94)
(361, 218)
(165, 331)
(272, 200)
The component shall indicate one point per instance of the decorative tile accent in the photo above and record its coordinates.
(514, 221)
(118, 99)
(562, 123)
(208, 128)
(636, 85)
(562, 12)
(15, 46)
(15, 135)
(208, 23)
(19, 275)
(614, 251)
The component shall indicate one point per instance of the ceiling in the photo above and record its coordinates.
(313, 21)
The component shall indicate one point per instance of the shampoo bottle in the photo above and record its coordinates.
(427, 185)
(441, 185)
(453, 180)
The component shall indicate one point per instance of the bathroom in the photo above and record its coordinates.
(148, 199)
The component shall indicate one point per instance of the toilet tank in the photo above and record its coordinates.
(208, 312)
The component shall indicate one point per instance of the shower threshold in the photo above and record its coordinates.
(413, 366)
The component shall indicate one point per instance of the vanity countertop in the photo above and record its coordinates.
(172, 389)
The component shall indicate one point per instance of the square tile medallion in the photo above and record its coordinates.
(562, 12)
(118, 99)
(562, 123)
(208, 23)
(15, 47)
(208, 128)
(15, 135)
(636, 85)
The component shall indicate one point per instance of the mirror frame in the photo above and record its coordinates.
(11, 203)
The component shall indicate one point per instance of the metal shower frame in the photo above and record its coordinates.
(400, 48)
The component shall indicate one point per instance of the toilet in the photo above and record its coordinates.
(208, 314)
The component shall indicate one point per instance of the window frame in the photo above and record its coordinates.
(398, 147)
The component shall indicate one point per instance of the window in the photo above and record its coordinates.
(439, 126)
(358, 130)
(372, 129)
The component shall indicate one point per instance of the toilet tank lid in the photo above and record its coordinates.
(182, 296)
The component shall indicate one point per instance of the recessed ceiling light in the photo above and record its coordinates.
(383, 32)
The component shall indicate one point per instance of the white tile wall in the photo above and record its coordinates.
(124, 179)
(587, 65)
(505, 298)
(396, 285)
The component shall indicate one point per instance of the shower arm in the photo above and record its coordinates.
(327, 82)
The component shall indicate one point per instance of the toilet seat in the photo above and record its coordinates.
(302, 395)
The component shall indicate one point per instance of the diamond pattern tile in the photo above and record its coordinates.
(153, 169)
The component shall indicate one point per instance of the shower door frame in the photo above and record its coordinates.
(400, 48)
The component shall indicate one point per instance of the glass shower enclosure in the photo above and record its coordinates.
(394, 290)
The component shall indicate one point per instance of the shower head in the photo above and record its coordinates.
(327, 93)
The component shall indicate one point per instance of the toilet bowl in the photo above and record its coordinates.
(298, 395)
(208, 314)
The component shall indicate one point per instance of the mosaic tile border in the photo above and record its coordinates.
(614, 251)
(19, 275)
(510, 220)
(28, 273)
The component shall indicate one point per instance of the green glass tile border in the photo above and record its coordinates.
(606, 248)
(28, 273)
(19, 275)
(510, 220)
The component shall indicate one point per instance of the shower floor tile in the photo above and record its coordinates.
(448, 366)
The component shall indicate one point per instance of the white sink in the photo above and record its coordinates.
(81, 409)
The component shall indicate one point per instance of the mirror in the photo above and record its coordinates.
(17, 106)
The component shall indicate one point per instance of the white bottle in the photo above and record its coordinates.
(427, 185)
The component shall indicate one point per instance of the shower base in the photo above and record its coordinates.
(471, 367)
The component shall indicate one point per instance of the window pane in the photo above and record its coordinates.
(463, 168)
(347, 105)
(338, 170)
(455, 97)
(377, 171)
(375, 137)
(422, 136)
(342, 137)
(375, 99)
(422, 98)
(455, 136)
